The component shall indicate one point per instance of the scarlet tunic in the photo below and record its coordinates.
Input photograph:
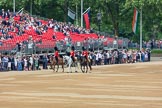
(56, 54)
(72, 54)
(85, 53)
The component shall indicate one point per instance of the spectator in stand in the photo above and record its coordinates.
(2, 14)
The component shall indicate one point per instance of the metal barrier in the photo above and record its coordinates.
(63, 46)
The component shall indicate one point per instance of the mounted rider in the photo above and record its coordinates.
(56, 54)
(72, 53)
(85, 53)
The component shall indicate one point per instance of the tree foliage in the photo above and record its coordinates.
(116, 14)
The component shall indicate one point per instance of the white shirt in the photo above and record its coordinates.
(25, 62)
(108, 55)
(31, 60)
(15, 61)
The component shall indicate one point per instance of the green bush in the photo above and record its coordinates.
(156, 51)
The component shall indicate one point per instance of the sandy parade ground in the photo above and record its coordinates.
(115, 86)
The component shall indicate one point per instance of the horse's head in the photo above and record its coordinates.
(65, 58)
(51, 58)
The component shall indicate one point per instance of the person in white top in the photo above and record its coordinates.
(99, 57)
(108, 57)
(25, 64)
(15, 61)
(31, 62)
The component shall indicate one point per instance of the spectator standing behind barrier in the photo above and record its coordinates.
(99, 56)
(45, 61)
(149, 54)
(152, 44)
(25, 64)
(31, 60)
(36, 59)
(9, 63)
(108, 57)
(19, 64)
(105, 57)
(5, 62)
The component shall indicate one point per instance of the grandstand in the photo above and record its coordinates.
(48, 34)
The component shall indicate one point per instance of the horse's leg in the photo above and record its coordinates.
(70, 65)
(75, 65)
(86, 68)
(62, 66)
(89, 63)
(54, 67)
(57, 67)
(81, 67)
(51, 66)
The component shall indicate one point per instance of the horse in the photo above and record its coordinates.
(54, 63)
(84, 63)
(70, 62)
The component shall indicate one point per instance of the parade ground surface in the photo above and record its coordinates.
(117, 86)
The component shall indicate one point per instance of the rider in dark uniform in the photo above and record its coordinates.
(56, 54)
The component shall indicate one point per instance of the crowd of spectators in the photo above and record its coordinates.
(14, 25)
(119, 57)
(152, 44)
(26, 22)
(37, 62)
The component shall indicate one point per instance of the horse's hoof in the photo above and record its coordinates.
(76, 71)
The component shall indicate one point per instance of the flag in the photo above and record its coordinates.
(71, 16)
(135, 21)
(87, 18)
(20, 12)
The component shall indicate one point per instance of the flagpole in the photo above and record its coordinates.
(20, 10)
(86, 11)
(76, 14)
(14, 6)
(141, 29)
(31, 7)
(81, 13)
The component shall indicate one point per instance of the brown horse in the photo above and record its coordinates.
(84, 64)
(54, 63)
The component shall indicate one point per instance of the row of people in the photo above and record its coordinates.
(110, 57)
(94, 58)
